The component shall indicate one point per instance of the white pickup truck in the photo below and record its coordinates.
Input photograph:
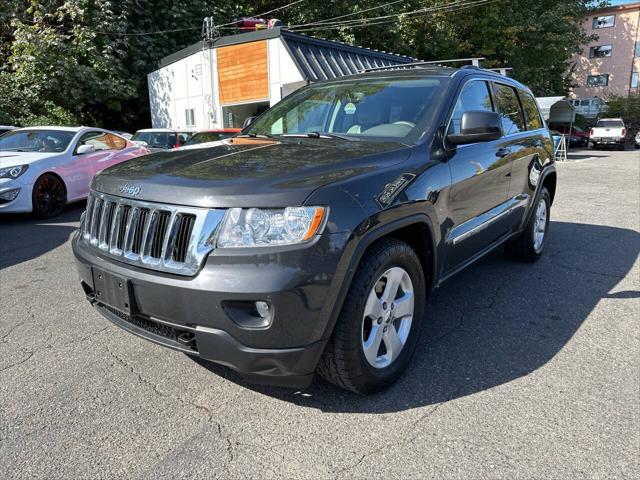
(608, 131)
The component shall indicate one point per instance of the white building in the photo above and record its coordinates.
(219, 85)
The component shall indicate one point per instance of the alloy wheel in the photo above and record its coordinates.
(388, 314)
(540, 225)
(49, 196)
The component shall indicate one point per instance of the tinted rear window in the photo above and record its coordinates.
(610, 123)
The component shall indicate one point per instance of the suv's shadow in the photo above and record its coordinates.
(497, 321)
(23, 237)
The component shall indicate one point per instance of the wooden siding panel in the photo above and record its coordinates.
(243, 72)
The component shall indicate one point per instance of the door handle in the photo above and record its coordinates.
(502, 152)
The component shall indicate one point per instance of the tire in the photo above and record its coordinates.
(344, 361)
(49, 196)
(528, 247)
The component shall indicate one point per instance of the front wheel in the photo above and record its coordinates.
(530, 244)
(380, 322)
(49, 196)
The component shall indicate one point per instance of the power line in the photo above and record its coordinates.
(265, 13)
(158, 32)
(453, 6)
(386, 19)
(352, 14)
(125, 34)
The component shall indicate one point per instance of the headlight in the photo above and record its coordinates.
(256, 227)
(13, 172)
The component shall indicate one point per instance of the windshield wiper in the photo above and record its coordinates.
(257, 135)
(319, 135)
(329, 135)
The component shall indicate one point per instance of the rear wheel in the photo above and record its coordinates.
(529, 245)
(49, 196)
(380, 322)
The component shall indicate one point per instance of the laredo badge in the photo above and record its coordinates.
(391, 190)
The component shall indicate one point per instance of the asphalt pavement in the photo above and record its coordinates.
(524, 371)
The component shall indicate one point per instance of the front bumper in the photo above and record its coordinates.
(607, 140)
(192, 314)
(22, 202)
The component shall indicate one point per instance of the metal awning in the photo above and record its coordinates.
(556, 109)
(319, 59)
(316, 59)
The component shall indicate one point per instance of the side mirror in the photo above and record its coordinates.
(477, 126)
(248, 121)
(82, 149)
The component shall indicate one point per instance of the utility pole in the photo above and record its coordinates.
(209, 32)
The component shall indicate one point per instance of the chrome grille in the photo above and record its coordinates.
(151, 235)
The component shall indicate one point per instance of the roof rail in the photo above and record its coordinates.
(433, 63)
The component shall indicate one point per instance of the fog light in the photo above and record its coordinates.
(9, 195)
(263, 309)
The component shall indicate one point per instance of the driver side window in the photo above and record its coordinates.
(475, 96)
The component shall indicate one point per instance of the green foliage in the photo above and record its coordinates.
(57, 64)
(627, 108)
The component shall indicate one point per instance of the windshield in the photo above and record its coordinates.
(203, 137)
(610, 123)
(385, 108)
(156, 139)
(52, 141)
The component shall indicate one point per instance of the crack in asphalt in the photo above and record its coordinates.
(208, 413)
(4, 337)
(50, 346)
(470, 309)
(592, 272)
(414, 426)
(17, 364)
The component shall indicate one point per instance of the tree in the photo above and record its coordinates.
(536, 39)
(627, 108)
(83, 61)
(86, 61)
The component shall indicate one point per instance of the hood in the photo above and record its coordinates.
(11, 159)
(246, 172)
(214, 143)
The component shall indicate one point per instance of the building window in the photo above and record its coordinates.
(190, 116)
(605, 21)
(634, 79)
(600, 51)
(637, 53)
(598, 80)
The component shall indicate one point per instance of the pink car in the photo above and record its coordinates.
(44, 168)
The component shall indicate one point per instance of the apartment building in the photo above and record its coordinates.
(610, 65)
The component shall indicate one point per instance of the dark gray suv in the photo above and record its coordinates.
(309, 243)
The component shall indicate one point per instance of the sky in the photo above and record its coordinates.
(620, 2)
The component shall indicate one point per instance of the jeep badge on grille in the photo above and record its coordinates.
(130, 189)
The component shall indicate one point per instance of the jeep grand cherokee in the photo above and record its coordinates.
(309, 243)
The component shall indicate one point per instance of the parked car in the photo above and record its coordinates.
(608, 131)
(6, 128)
(44, 168)
(126, 135)
(310, 241)
(636, 142)
(209, 138)
(156, 139)
(579, 137)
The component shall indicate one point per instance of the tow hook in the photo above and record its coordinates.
(187, 339)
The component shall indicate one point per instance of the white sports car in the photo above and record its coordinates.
(44, 168)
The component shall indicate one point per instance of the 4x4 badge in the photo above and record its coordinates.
(130, 189)
(391, 190)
